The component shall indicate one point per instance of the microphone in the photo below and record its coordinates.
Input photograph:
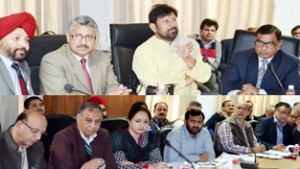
(216, 73)
(70, 88)
(270, 66)
(167, 142)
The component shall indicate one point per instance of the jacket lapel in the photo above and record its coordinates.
(95, 74)
(6, 75)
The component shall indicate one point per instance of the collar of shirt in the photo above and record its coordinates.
(79, 59)
(6, 61)
(88, 140)
(260, 59)
(277, 123)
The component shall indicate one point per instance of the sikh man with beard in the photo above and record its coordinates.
(192, 140)
(169, 57)
(15, 32)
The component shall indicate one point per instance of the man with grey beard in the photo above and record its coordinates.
(15, 32)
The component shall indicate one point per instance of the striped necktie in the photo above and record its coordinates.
(20, 78)
(88, 149)
(261, 73)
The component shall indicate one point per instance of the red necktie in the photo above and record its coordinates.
(87, 76)
(21, 79)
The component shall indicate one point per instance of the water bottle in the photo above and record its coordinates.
(291, 90)
(161, 90)
(236, 164)
(295, 152)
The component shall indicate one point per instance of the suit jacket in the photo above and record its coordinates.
(244, 69)
(11, 158)
(60, 67)
(6, 87)
(266, 133)
(67, 149)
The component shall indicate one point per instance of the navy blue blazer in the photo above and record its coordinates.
(265, 132)
(244, 69)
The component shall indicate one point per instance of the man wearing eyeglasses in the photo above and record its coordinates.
(78, 63)
(20, 146)
(274, 132)
(250, 70)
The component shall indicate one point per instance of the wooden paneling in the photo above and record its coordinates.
(117, 106)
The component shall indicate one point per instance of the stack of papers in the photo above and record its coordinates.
(273, 154)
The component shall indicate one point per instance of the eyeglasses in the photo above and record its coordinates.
(284, 113)
(293, 117)
(167, 21)
(269, 45)
(33, 130)
(242, 108)
(79, 37)
(162, 109)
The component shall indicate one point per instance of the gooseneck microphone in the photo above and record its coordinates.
(167, 142)
(270, 66)
(70, 88)
(216, 73)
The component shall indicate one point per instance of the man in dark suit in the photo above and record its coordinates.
(250, 71)
(15, 32)
(20, 146)
(273, 131)
(83, 144)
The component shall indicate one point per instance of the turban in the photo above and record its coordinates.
(20, 20)
(97, 100)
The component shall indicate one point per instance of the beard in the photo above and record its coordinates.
(193, 130)
(170, 35)
(18, 54)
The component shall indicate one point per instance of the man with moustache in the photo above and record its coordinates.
(169, 57)
(15, 32)
(159, 120)
(191, 139)
(78, 63)
(34, 103)
(235, 135)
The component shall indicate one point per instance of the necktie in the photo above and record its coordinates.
(88, 150)
(24, 164)
(87, 75)
(20, 78)
(261, 72)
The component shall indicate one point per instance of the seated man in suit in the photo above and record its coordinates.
(274, 132)
(83, 144)
(78, 63)
(15, 32)
(169, 57)
(191, 139)
(250, 71)
(35, 103)
(235, 135)
(20, 146)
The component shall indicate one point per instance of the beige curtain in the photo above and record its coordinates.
(51, 15)
(231, 14)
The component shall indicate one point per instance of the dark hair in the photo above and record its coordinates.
(295, 104)
(193, 112)
(209, 22)
(280, 104)
(268, 29)
(249, 101)
(226, 101)
(160, 103)
(195, 103)
(160, 11)
(89, 105)
(135, 109)
(22, 116)
(294, 29)
(28, 100)
(139, 104)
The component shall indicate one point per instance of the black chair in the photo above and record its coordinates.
(245, 40)
(125, 38)
(39, 46)
(226, 51)
(55, 124)
(161, 139)
(253, 124)
(113, 124)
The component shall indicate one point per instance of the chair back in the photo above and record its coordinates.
(253, 124)
(161, 138)
(55, 124)
(226, 51)
(39, 46)
(113, 124)
(125, 38)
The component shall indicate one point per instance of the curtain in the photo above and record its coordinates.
(230, 14)
(51, 15)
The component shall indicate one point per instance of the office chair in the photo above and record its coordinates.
(161, 138)
(113, 124)
(226, 51)
(125, 38)
(39, 46)
(55, 124)
(253, 124)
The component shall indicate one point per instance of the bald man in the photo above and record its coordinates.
(20, 145)
(15, 32)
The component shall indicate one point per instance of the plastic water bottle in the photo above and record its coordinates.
(161, 90)
(295, 152)
(236, 164)
(291, 90)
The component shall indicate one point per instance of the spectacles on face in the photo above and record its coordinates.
(79, 37)
(242, 108)
(33, 130)
(269, 45)
(293, 117)
(167, 21)
(283, 113)
(162, 109)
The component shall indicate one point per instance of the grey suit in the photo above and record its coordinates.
(60, 67)
(6, 83)
(11, 158)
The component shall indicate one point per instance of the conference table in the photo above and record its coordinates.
(265, 163)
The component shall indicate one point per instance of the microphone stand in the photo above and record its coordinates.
(270, 66)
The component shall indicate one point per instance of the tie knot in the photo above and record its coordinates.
(83, 61)
(15, 66)
(264, 62)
